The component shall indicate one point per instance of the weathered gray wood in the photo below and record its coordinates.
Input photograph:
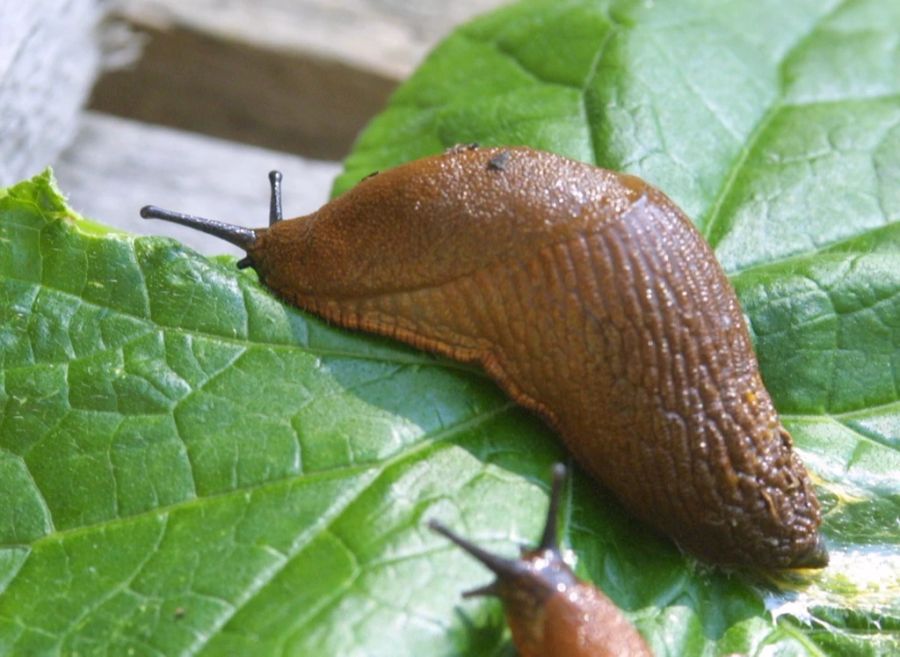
(115, 166)
(49, 58)
(292, 102)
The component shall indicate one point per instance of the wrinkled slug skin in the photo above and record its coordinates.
(593, 301)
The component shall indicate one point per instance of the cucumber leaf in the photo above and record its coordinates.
(189, 467)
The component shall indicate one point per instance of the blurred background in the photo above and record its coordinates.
(188, 105)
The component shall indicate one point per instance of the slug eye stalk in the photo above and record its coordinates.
(237, 235)
(501, 567)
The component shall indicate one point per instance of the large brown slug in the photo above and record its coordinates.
(593, 301)
(550, 612)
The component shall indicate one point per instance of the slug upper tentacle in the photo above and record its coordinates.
(275, 212)
(593, 301)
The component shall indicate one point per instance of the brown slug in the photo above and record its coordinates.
(550, 612)
(593, 301)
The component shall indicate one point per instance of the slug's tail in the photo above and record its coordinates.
(815, 557)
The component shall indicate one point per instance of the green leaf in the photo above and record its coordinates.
(188, 467)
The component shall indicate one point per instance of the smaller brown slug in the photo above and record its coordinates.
(552, 613)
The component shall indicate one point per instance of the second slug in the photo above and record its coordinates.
(593, 301)
(550, 612)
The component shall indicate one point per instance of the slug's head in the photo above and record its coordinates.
(525, 584)
(549, 610)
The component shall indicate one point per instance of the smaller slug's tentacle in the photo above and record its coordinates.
(275, 212)
(498, 565)
(552, 613)
(550, 537)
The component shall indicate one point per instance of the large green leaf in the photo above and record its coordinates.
(189, 467)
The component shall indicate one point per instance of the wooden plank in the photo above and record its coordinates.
(115, 166)
(302, 76)
(197, 82)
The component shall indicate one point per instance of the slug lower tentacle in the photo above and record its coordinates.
(593, 301)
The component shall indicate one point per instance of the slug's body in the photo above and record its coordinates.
(551, 613)
(593, 301)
